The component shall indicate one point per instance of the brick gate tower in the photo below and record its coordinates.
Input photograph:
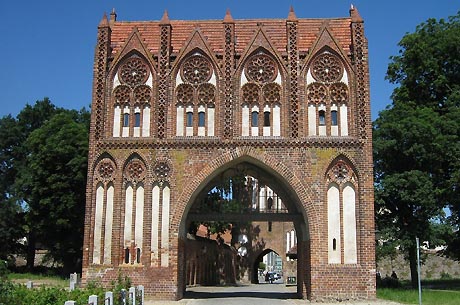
(177, 104)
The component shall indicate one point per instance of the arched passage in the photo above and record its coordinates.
(262, 213)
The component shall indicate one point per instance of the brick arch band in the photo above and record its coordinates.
(265, 161)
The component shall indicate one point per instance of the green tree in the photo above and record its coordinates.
(416, 139)
(53, 180)
(11, 224)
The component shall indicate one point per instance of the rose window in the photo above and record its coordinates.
(206, 93)
(341, 173)
(122, 93)
(184, 93)
(196, 70)
(105, 170)
(327, 68)
(135, 170)
(251, 93)
(261, 69)
(339, 93)
(142, 93)
(316, 93)
(271, 93)
(134, 72)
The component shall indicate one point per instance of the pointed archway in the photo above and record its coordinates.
(290, 211)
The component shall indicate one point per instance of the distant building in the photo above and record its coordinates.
(178, 105)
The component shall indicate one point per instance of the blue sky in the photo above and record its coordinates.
(47, 47)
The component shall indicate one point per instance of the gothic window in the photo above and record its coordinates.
(334, 117)
(327, 93)
(196, 89)
(341, 196)
(189, 119)
(161, 194)
(322, 117)
(102, 242)
(133, 177)
(137, 119)
(266, 118)
(126, 120)
(255, 119)
(201, 119)
(263, 92)
(132, 95)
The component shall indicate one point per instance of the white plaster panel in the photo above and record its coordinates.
(276, 121)
(180, 121)
(244, 80)
(155, 220)
(139, 222)
(278, 78)
(345, 77)
(137, 132)
(98, 224)
(116, 81)
(127, 232)
(349, 225)
(343, 113)
(165, 227)
(116, 121)
(201, 131)
(108, 226)
(245, 121)
(266, 131)
(213, 79)
(146, 122)
(310, 78)
(333, 224)
(211, 112)
(311, 120)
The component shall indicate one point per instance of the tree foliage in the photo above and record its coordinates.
(43, 177)
(416, 140)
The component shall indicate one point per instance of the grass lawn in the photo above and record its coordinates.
(435, 292)
(429, 296)
(38, 279)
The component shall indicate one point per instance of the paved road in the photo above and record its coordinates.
(262, 294)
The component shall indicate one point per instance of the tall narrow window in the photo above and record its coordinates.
(254, 119)
(126, 120)
(334, 118)
(201, 119)
(267, 118)
(189, 119)
(322, 117)
(137, 119)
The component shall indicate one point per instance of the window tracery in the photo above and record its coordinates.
(261, 96)
(327, 96)
(198, 95)
(131, 114)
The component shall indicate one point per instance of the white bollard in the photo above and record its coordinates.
(141, 292)
(108, 298)
(92, 300)
(70, 303)
(30, 285)
(132, 296)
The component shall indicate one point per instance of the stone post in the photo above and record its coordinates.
(108, 300)
(30, 285)
(132, 296)
(70, 303)
(140, 293)
(92, 300)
